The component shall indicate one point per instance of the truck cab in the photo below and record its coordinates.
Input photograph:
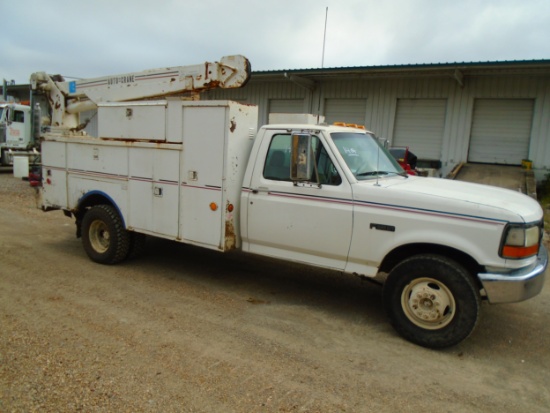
(349, 185)
(15, 130)
(333, 197)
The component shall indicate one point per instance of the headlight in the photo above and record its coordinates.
(520, 241)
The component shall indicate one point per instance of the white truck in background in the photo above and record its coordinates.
(331, 196)
(16, 132)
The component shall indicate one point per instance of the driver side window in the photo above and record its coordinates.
(19, 116)
(277, 165)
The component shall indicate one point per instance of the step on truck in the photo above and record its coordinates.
(331, 196)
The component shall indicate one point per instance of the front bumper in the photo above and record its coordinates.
(518, 285)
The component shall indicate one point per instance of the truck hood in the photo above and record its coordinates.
(452, 197)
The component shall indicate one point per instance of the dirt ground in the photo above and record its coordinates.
(183, 329)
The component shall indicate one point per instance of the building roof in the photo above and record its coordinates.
(541, 66)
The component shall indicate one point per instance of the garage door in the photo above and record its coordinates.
(419, 124)
(345, 110)
(501, 129)
(286, 106)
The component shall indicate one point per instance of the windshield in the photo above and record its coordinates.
(365, 156)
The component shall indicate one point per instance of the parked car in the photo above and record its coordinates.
(406, 158)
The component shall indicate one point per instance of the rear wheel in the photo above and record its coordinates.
(432, 301)
(103, 235)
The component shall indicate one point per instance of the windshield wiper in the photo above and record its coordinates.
(378, 173)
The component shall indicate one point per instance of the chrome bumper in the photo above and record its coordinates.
(518, 285)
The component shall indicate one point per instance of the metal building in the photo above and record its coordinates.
(486, 112)
(11, 92)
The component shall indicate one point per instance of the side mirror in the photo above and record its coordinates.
(384, 142)
(7, 113)
(301, 164)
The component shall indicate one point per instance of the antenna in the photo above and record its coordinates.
(322, 64)
(324, 39)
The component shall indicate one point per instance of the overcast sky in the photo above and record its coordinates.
(94, 38)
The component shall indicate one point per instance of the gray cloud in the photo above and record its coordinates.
(96, 38)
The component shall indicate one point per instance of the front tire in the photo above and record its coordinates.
(431, 301)
(104, 237)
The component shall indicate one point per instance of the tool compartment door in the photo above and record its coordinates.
(153, 183)
(202, 175)
(141, 121)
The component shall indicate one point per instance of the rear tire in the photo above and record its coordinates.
(104, 237)
(431, 301)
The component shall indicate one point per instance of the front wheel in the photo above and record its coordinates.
(432, 301)
(104, 237)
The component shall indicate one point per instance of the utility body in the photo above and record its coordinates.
(199, 172)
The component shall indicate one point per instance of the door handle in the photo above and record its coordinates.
(260, 189)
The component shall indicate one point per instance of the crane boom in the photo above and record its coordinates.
(69, 98)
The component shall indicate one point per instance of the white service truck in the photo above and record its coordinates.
(331, 196)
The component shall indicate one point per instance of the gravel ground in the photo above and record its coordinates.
(183, 329)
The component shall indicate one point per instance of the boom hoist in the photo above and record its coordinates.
(68, 98)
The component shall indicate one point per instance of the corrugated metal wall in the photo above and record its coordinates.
(382, 95)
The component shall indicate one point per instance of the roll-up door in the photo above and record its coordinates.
(419, 124)
(286, 106)
(345, 110)
(501, 130)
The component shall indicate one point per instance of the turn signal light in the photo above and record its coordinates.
(519, 252)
